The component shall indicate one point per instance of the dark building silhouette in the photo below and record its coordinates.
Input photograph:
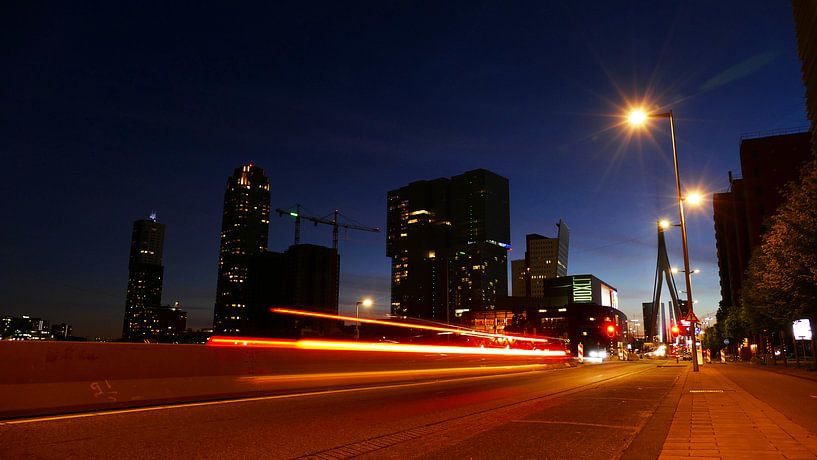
(545, 258)
(61, 331)
(805, 20)
(244, 233)
(448, 241)
(164, 323)
(303, 277)
(742, 214)
(145, 272)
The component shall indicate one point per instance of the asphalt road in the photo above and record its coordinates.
(593, 411)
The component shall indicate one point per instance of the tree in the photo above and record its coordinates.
(781, 280)
(790, 250)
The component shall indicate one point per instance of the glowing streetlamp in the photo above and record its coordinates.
(639, 118)
(367, 302)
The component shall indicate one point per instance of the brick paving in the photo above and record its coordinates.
(717, 419)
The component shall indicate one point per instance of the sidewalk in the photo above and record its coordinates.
(717, 419)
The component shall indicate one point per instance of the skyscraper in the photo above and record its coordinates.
(145, 272)
(244, 232)
(480, 217)
(303, 277)
(544, 258)
(448, 241)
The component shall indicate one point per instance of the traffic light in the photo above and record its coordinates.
(611, 331)
(675, 330)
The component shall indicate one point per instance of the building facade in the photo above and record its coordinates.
(164, 323)
(805, 21)
(741, 214)
(303, 277)
(545, 258)
(244, 233)
(145, 273)
(576, 308)
(24, 328)
(448, 242)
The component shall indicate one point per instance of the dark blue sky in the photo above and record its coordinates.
(109, 112)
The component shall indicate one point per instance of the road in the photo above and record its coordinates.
(593, 411)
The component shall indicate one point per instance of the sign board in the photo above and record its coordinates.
(581, 353)
(726, 341)
(691, 317)
(582, 290)
(802, 329)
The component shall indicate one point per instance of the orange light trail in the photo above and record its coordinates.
(468, 332)
(336, 345)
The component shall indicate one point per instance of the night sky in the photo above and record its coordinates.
(108, 113)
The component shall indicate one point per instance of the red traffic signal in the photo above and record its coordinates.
(611, 330)
(675, 330)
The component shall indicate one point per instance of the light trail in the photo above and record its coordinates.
(466, 332)
(335, 345)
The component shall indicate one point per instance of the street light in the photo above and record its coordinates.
(639, 118)
(367, 302)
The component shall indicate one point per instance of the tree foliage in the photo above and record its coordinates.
(781, 280)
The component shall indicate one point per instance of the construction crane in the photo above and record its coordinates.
(335, 223)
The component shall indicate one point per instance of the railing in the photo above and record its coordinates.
(773, 132)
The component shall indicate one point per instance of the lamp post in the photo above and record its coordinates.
(638, 118)
(367, 302)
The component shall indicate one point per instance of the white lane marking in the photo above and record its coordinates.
(555, 422)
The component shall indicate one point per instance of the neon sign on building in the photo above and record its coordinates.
(582, 290)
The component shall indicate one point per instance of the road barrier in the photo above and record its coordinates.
(41, 378)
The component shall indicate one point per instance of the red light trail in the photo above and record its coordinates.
(467, 332)
(339, 345)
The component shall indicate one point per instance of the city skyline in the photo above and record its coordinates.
(356, 112)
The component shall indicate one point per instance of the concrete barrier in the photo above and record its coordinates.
(41, 378)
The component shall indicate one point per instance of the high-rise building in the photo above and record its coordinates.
(545, 258)
(303, 277)
(448, 241)
(742, 213)
(418, 241)
(145, 272)
(244, 233)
